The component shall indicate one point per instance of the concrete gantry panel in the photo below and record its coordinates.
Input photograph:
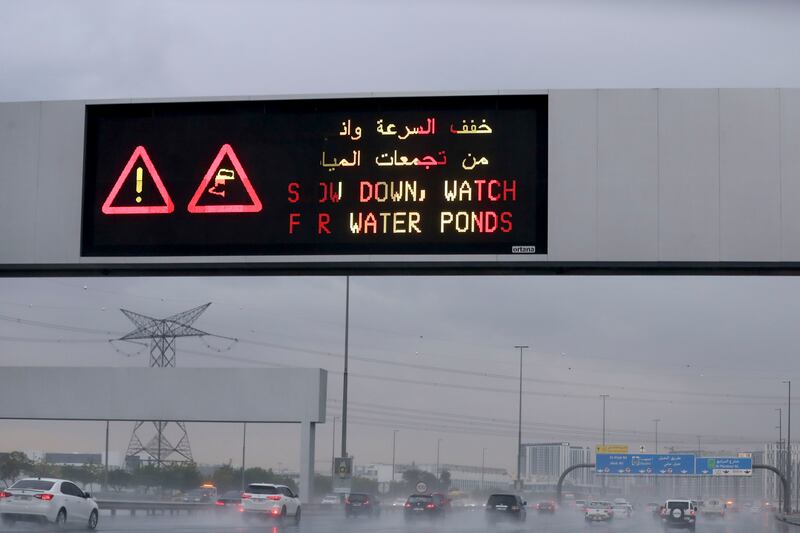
(700, 177)
(627, 175)
(573, 175)
(688, 184)
(790, 174)
(749, 175)
(19, 188)
(61, 158)
(286, 395)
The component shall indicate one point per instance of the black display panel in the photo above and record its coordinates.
(411, 175)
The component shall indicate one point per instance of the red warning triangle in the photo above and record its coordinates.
(221, 176)
(136, 183)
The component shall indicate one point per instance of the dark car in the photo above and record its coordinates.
(229, 501)
(357, 504)
(425, 505)
(506, 507)
(546, 507)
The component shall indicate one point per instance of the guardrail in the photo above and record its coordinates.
(152, 507)
(161, 507)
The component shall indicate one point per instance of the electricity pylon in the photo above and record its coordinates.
(162, 334)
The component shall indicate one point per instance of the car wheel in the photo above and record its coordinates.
(61, 517)
(297, 516)
(282, 516)
(92, 520)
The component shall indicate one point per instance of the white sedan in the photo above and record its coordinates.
(272, 501)
(57, 501)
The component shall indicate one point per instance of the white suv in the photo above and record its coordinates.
(679, 513)
(48, 500)
(271, 501)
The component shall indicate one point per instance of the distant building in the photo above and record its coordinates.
(462, 477)
(543, 463)
(73, 459)
(776, 455)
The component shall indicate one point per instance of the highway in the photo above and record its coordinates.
(393, 522)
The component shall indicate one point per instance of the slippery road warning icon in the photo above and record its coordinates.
(139, 189)
(225, 188)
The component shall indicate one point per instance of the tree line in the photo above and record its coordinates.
(149, 478)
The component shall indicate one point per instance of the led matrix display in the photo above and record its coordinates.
(411, 175)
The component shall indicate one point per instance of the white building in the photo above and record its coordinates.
(545, 462)
(462, 477)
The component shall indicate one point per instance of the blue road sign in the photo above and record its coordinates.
(645, 464)
(724, 466)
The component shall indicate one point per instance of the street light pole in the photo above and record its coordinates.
(779, 449)
(244, 450)
(344, 382)
(788, 473)
(333, 449)
(656, 420)
(394, 448)
(519, 425)
(604, 397)
(483, 465)
(438, 443)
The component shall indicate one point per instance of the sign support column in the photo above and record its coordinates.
(307, 441)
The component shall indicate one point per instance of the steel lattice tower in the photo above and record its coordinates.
(162, 334)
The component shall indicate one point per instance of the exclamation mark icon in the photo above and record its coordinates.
(139, 180)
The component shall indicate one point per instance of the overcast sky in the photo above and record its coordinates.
(705, 355)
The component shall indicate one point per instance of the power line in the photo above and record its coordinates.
(417, 366)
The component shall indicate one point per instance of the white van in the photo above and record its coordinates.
(713, 507)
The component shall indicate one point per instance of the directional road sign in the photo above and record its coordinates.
(724, 466)
(645, 464)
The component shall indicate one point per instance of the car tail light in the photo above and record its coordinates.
(407, 505)
(692, 513)
(44, 497)
(246, 496)
(4, 494)
(347, 500)
(276, 511)
(275, 498)
(219, 503)
(430, 506)
(241, 509)
(514, 508)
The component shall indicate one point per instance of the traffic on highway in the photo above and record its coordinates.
(317, 519)
(37, 503)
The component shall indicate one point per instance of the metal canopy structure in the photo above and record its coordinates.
(278, 396)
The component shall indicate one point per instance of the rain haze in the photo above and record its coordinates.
(432, 356)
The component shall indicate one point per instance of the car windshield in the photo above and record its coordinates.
(231, 494)
(32, 484)
(358, 498)
(262, 489)
(599, 505)
(502, 499)
(418, 498)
